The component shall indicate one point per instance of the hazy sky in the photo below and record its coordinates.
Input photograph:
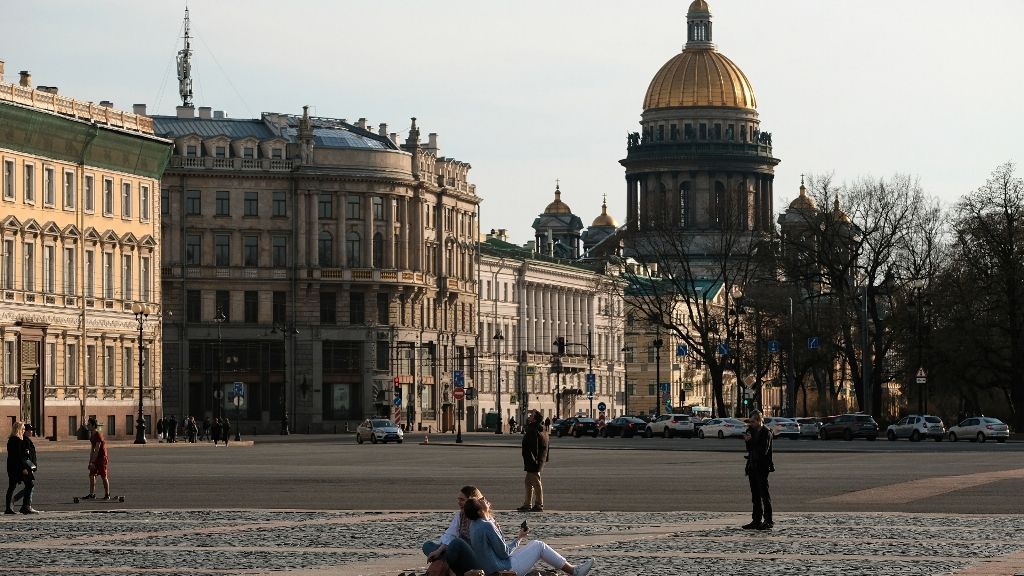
(528, 91)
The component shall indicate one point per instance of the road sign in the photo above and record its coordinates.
(458, 379)
(664, 387)
(601, 406)
(773, 345)
(591, 384)
(812, 343)
(238, 389)
(723, 348)
(681, 350)
(922, 376)
(398, 401)
(460, 393)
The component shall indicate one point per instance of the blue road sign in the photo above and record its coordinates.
(591, 383)
(812, 343)
(458, 379)
(773, 345)
(723, 348)
(664, 388)
(601, 406)
(238, 389)
(681, 350)
(398, 401)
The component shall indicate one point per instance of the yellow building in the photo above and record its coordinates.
(79, 247)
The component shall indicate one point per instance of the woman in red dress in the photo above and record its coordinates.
(98, 459)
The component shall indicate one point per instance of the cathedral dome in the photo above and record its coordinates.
(558, 207)
(803, 201)
(699, 75)
(605, 219)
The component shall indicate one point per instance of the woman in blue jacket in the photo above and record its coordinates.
(493, 553)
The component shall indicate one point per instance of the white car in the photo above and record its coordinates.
(917, 427)
(980, 428)
(809, 427)
(784, 427)
(669, 425)
(379, 430)
(723, 428)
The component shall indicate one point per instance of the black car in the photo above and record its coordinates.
(576, 426)
(625, 426)
(848, 427)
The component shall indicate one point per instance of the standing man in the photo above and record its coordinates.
(759, 465)
(97, 460)
(535, 454)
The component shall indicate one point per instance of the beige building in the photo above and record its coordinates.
(79, 246)
(317, 262)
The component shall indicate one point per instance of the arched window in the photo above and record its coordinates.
(684, 205)
(324, 252)
(378, 250)
(720, 205)
(353, 250)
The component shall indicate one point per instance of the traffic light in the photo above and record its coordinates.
(398, 390)
(560, 345)
(470, 393)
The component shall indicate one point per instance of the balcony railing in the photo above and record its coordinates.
(75, 108)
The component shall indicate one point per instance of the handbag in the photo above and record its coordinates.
(437, 568)
(29, 464)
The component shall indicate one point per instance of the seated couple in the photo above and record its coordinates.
(474, 541)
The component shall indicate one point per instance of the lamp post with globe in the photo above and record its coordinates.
(141, 311)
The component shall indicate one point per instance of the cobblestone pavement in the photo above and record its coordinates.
(105, 541)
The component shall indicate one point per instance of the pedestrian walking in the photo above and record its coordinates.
(759, 465)
(535, 454)
(21, 466)
(547, 424)
(206, 429)
(160, 429)
(225, 430)
(97, 460)
(171, 429)
(193, 430)
(215, 431)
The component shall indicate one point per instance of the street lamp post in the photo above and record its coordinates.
(626, 350)
(141, 311)
(218, 389)
(285, 332)
(657, 365)
(918, 304)
(499, 339)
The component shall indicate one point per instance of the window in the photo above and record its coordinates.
(220, 151)
(328, 308)
(353, 250)
(165, 201)
(325, 205)
(49, 269)
(108, 275)
(222, 249)
(71, 366)
(193, 203)
(280, 307)
(70, 199)
(378, 250)
(383, 308)
(8, 179)
(30, 182)
(192, 151)
(69, 271)
(144, 202)
(353, 208)
(250, 250)
(90, 273)
(126, 367)
(29, 255)
(356, 308)
(378, 208)
(279, 251)
(49, 187)
(108, 197)
(144, 279)
(223, 302)
(10, 370)
(279, 208)
(51, 364)
(7, 271)
(126, 199)
(248, 152)
(252, 204)
(223, 207)
(324, 250)
(126, 277)
(252, 306)
(193, 306)
(684, 205)
(276, 153)
(193, 249)
(383, 355)
(89, 194)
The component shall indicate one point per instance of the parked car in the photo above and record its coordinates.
(625, 426)
(917, 427)
(576, 426)
(722, 428)
(849, 426)
(379, 430)
(809, 427)
(783, 427)
(669, 425)
(980, 429)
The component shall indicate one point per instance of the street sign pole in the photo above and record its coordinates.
(459, 385)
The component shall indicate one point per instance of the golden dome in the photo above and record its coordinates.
(803, 201)
(698, 6)
(605, 219)
(838, 214)
(558, 207)
(700, 77)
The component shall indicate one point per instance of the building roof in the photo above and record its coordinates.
(327, 132)
(174, 127)
(639, 286)
(502, 249)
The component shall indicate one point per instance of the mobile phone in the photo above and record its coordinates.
(525, 527)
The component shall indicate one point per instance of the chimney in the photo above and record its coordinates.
(139, 109)
(382, 130)
(205, 112)
(361, 124)
(219, 115)
(47, 89)
(185, 111)
(1, 70)
(394, 137)
(106, 103)
(502, 234)
(432, 141)
(26, 79)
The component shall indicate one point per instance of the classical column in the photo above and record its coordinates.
(403, 234)
(314, 231)
(368, 231)
(631, 204)
(339, 231)
(302, 240)
(389, 236)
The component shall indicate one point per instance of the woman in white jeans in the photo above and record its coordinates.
(493, 553)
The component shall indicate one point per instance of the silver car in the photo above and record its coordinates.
(784, 427)
(980, 428)
(379, 430)
(809, 427)
(917, 427)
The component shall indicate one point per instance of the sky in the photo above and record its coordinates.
(530, 91)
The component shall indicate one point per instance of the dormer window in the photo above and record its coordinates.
(276, 153)
(248, 152)
(192, 151)
(221, 151)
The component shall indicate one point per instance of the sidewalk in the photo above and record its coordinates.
(44, 445)
(105, 541)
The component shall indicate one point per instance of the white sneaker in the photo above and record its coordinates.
(583, 568)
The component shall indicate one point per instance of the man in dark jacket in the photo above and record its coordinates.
(759, 465)
(535, 454)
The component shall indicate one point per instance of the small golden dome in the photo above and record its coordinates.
(838, 214)
(558, 207)
(700, 77)
(605, 219)
(698, 6)
(803, 201)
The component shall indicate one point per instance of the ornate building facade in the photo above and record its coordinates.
(79, 247)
